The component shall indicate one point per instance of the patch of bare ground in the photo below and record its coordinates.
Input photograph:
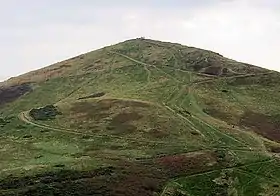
(95, 95)
(213, 70)
(274, 149)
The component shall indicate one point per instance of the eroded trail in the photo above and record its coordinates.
(191, 90)
(24, 116)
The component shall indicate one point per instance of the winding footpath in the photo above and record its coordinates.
(191, 87)
(24, 116)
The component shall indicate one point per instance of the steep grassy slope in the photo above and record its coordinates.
(141, 117)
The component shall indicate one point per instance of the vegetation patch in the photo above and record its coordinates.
(219, 114)
(122, 116)
(126, 180)
(4, 122)
(121, 122)
(266, 126)
(101, 109)
(48, 112)
(158, 133)
(139, 179)
(187, 163)
(265, 79)
(90, 110)
(64, 182)
(274, 149)
(126, 118)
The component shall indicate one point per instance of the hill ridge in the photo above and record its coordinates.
(53, 67)
(141, 117)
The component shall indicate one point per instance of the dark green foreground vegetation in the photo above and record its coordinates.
(141, 118)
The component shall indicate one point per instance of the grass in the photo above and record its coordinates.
(162, 126)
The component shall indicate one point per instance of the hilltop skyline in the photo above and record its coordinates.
(37, 34)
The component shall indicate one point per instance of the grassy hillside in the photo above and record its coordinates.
(142, 117)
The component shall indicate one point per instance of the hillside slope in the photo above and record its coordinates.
(142, 117)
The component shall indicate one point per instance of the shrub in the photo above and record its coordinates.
(48, 112)
(3, 122)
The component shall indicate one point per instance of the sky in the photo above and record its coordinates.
(35, 33)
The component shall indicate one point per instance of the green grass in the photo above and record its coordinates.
(158, 106)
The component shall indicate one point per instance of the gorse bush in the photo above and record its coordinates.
(46, 113)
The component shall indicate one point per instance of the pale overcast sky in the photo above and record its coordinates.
(36, 33)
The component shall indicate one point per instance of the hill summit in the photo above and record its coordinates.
(141, 117)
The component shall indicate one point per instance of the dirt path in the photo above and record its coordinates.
(24, 116)
(214, 78)
(174, 56)
(185, 118)
(146, 64)
(191, 89)
(231, 77)
(148, 74)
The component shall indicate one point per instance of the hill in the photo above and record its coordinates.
(142, 117)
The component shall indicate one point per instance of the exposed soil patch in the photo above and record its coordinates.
(213, 70)
(267, 126)
(199, 60)
(274, 149)
(218, 71)
(101, 94)
(10, 94)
